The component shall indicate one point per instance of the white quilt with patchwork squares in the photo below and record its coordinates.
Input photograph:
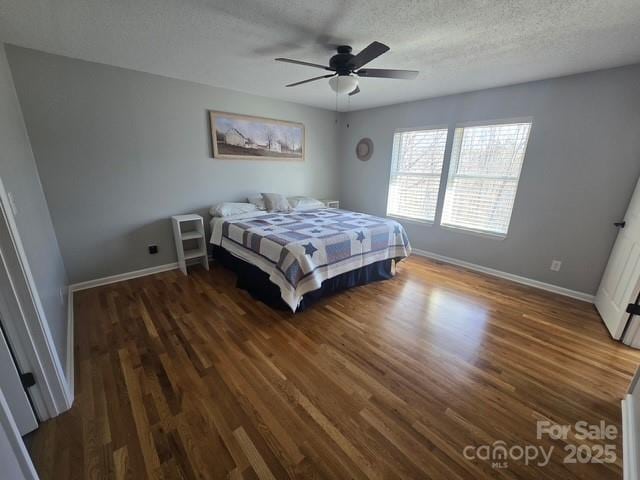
(301, 249)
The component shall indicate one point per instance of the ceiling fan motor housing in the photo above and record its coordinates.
(340, 61)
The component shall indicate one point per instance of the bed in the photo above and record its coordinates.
(293, 258)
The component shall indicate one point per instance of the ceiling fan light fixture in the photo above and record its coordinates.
(342, 84)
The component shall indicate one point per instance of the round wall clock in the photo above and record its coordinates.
(364, 149)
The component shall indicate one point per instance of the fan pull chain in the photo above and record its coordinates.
(348, 107)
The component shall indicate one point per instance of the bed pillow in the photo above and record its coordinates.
(258, 201)
(276, 202)
(305, 203)
(226, 209)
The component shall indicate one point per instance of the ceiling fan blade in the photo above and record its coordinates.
(384, 73)
(311, 80)
(354, 91)
(374, 50)
(308, 64)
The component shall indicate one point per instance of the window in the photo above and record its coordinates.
(416, 167)
(483, 177)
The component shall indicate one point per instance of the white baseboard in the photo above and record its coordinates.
(70, 348)
(98, 282)
(585, 297)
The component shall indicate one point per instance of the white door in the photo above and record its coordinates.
(620, 283)
(15, 462)
(14, 392)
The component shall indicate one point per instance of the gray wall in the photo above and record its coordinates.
(20, 177)
(121, 151)
(582, 163)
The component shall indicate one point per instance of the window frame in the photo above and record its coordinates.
(450, 175)
(441, 176)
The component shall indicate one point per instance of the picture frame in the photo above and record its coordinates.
(248, 137)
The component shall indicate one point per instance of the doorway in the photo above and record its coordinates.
(25, 325)
(14, 385)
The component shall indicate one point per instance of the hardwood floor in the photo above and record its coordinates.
(188, 377)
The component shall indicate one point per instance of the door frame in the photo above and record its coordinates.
(29, 335)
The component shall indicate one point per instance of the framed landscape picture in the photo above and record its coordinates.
(255, 138)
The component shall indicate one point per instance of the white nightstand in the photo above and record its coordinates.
(190, 229)
(332, 203)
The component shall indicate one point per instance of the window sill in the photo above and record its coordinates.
(476, 233)
(398, 218)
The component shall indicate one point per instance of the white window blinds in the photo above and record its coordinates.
(483, 176)
(416, 167)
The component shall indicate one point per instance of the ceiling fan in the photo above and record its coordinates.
(346, 68)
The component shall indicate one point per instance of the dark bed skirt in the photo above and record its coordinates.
(257, 283)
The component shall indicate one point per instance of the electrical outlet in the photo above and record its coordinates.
(12, 203)
(153, 249)
(555, 265)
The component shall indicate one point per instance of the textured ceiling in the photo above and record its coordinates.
(457, 45)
